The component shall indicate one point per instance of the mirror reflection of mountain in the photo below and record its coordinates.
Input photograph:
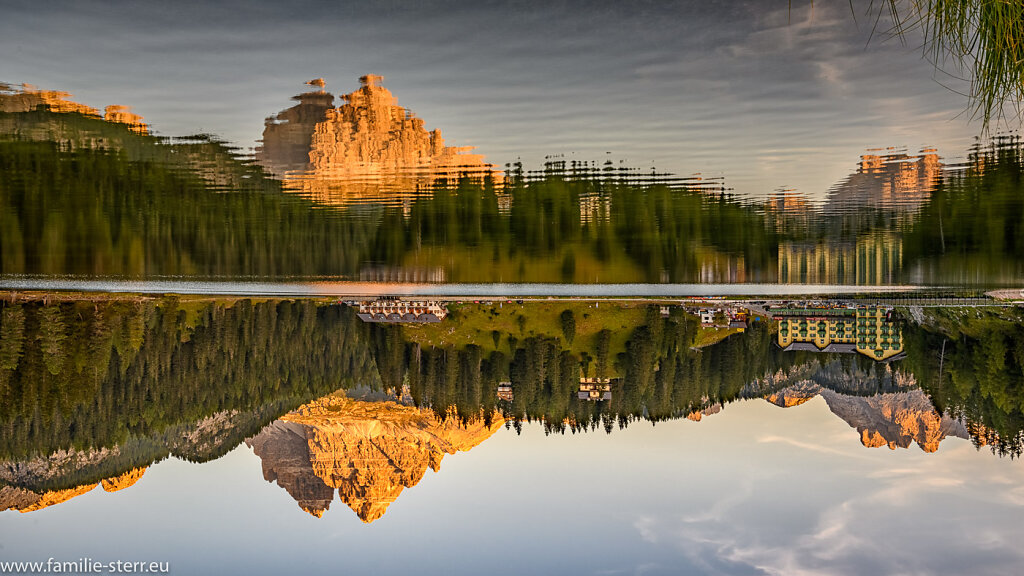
(100, 388)
(860, 225)
(369, 148)
(28, 98)
(194, 208)
(893, 180)
(909, 219)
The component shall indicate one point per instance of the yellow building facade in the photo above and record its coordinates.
(866, 330)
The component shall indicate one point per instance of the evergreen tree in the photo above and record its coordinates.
(568, 322)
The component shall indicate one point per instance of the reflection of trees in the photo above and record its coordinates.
(141, 218)
(973, 225)
(79, 195)
(12, 336)
(139, 206)
(85, 374)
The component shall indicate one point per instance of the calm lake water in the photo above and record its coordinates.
(193, 427)
(581, 288)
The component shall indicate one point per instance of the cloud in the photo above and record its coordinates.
(718, 510)
(947, 513)
(645, 525)
(821, 448)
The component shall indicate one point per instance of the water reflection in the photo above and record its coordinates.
(870, 260)
(367, 149)
(888, 179)
(96, 390)
(92, 196)
(28, 98)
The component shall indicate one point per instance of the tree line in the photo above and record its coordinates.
(143, 375)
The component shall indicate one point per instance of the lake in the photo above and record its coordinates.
(580, 288)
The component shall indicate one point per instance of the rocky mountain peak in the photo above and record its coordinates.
(368, 135)
(368, 451)
(895, 419)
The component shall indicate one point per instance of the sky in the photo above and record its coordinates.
(767, 96)
(754, 489)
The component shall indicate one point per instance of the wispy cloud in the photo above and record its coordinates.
(889, 524)
(813, 447)
(718, 510)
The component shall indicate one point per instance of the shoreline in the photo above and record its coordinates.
(758, 303)
(90, 288)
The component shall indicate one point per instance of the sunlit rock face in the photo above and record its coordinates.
(370, 132)
(895, 419)
(368, 146)
(698, 415)
(123, 481)
(794, 395)
(25, 500)
(368, 451)
(887, 179)
(124, 115)
(27, 98)
(54, 497)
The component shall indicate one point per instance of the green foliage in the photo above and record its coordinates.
(602, 350)
(51, 336)
(85, 375)
(568, 321)
(985, 38)
(140, 207)
(85, 379)
(973, 223)
(95, 212)
(12, 335)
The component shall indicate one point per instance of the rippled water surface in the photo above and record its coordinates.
(581, 288)
(362, 192)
